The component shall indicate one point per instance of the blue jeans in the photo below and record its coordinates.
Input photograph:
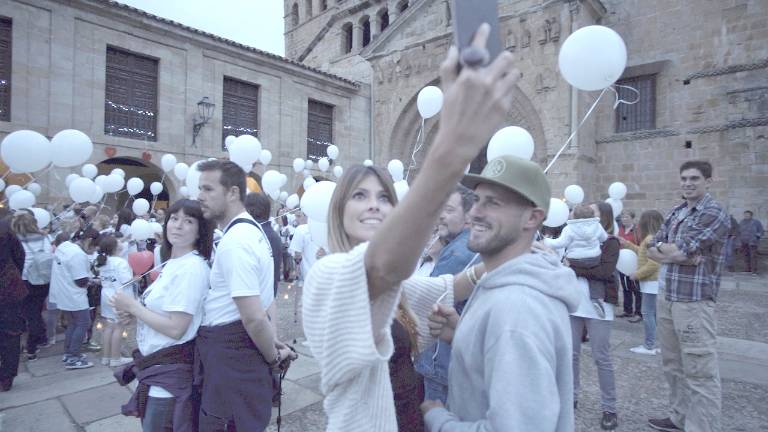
(78, 323)
(599, 339)
(158, 416)
(649, 320)
(434, 371)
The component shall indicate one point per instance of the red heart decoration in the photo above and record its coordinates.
(147, 156)
(110, 151)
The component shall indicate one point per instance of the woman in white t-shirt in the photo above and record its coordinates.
(115, 275)
(170, 311)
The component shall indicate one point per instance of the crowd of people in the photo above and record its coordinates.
(449, 311)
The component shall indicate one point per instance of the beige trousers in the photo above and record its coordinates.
(687, 336)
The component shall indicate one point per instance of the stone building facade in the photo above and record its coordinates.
(58, 69)
(701, 69)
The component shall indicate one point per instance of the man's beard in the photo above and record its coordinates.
(493, 244)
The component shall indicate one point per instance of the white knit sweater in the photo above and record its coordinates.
(350, 337)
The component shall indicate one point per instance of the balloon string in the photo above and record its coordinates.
(622, 101)
(417, 147)
(573, 134)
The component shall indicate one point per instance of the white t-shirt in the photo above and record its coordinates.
(69, 264)
(181, 287)
(585, 309)
(114, 274)
(302, 243)
(242, 267)
(33, 244)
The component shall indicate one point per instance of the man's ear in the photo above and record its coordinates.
(708, 182)
(535, 217)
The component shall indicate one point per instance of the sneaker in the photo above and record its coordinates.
(66, 357)
(78, 364)
(31, 357)
(636, 319)
(664, 424)
(599, 308)
(46, 344)
(105, 361)
(92, 346)
(6, 384)
(610, 421)
(643, 350)
(119, 361)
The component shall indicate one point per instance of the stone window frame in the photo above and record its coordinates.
(320, 116)
(240, 108)
(642, 114)
(347, 38)
(402, 5)
(131, 87)
(323, 5)
(295, 14)
(6, 66)
(307, 9)
(383, 19)
(365, 30)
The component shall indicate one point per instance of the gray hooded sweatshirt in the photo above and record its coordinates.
(511, 367)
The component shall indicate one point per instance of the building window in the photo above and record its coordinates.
(295, 14)
(319, 129)
(307, 9)
(402, 6)
(346, 38)
(366, 24)
(130, 103)
(323, 5)
(240, 109)
(5, 68)
(383, 20)
(640, 115)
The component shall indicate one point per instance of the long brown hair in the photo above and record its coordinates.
(650, 223)
(339, 240)
(23, 223)
(606, 216)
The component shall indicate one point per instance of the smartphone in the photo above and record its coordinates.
(467, 16)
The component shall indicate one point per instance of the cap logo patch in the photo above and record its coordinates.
(495, 168)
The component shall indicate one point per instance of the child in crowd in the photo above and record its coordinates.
(581, 240)
(115, 273)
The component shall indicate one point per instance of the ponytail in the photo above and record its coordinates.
(101, 259)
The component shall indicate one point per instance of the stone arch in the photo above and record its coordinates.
(403, 139)
(365, 30)
(383, 19)
(346, 38)
(402, 5)
(147, 171)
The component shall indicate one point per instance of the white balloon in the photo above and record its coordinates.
(265, 157)
(156, 188)
(100, 181)
(70, 148)
(513, 141)
(323, 164)
(168, 162)
(298, 165)
(42, 216)
(317, 199)
(193, 180)
(283, 196)
(401, 188)
(292, 201)
(308, 164)
(25, 151)
(318, 232)
(21, 199)
(140, 229)
(35, 188)
(245, 150)
(627, 262)
(89, 170)
(113, 183)
(592, 58)
(558, 213)
(70, 178)
(119, 172)
(430, 101)
(140, 207)
(270, 181)
(98, 194)
(338, 171)
(156, 227)
(309, 181)
(367, 162)
(135, 185)
(283, 179)
(332, 151)
(2, 185)
(180, 171)
(616, 205)
(82, 189)
(617, 190)
(306, 173)
(12, 189)
(229, 140)
(395, 168)
(274, 194)
(184, 191)
(574, 194)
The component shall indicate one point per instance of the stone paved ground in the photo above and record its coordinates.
(47, 398)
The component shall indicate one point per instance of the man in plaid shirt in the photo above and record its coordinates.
(691, 249)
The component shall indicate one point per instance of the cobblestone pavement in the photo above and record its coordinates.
(45, 397)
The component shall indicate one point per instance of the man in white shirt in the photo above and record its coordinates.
(303, 249)
(236, 343)
(69, 291)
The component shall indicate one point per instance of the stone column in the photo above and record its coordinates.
(375, 26)
(392, 9)
(357, 37)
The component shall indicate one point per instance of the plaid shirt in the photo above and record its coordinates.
(699, 231)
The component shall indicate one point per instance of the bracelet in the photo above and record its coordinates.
(277, 359)
(472, 276)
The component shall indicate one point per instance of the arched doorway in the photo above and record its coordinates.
(144, 170)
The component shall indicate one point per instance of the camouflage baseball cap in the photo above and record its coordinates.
(519, 175)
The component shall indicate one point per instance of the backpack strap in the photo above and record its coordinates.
(242, 220)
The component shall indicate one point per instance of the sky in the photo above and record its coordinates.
(257, 23)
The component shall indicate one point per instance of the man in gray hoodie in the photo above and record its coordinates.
(511, 364)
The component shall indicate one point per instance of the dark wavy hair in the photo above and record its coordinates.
(204, 244)
(107, 248)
